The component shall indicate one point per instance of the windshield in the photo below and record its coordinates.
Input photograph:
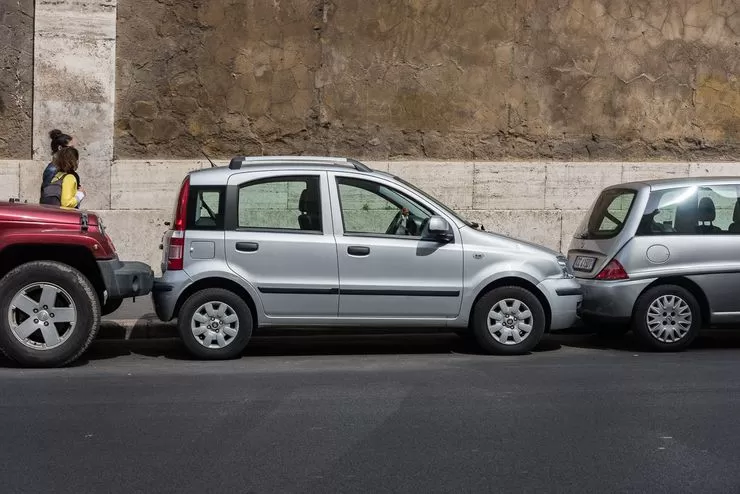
(434, 200)
(608, 214)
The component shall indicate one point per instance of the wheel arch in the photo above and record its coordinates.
(514, 281)
(216, 282)
(691, 286)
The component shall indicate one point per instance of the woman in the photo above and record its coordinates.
(59, 140)
(66, 161)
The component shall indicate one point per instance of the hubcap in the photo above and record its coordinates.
(510, 321)
(214, 325)
(669, 318)
(42, 316)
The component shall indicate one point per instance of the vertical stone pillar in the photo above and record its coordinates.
(74, 86)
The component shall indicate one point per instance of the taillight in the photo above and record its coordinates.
(612, 271)
(176, 244)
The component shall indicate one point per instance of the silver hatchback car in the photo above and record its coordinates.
(300, 241)
(661, 257)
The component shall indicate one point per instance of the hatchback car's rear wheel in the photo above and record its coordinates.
(49, 313)
(215, 324)
(667, 318)
(508, 320)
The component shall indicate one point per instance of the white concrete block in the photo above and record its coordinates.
(449, 181)
(507, 185)
(635, 172)
(571, 220)
(539, 226)
(728, 169)
(74, 85)
(150, 184)
(137, 234)
(9, 179)
(29, 178)
(577, 185)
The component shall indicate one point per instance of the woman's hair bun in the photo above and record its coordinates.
(55, 133)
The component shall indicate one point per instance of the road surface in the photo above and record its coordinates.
(399, 413)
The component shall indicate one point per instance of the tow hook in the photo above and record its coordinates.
(83, 222)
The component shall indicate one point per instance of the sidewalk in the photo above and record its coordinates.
(135, 320)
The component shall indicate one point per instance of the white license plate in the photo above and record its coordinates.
(584, 263)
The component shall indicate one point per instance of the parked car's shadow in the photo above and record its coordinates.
(584, 338)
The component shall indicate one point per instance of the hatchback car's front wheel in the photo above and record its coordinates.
(508, 320)
(667, 318)
(215, 324)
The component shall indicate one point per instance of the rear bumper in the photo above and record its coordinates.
(564, 296)
(167, 291)
(610, 301)
(126, 279)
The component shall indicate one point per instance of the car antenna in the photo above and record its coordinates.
(213, 165)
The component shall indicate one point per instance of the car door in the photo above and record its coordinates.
(386, 270)
(279, 238)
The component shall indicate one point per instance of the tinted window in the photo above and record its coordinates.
(609, 213)
(206, 208)
(283, 203)
(372, 208)
(692, 210)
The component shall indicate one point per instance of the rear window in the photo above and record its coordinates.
(206, 208)
(608, 214)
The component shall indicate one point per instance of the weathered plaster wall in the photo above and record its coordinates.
(16, 77)
(471, 79)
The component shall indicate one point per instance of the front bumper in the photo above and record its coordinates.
(610, 301)
(564, 296)
(126, 279)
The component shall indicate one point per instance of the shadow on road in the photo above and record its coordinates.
(708, 339)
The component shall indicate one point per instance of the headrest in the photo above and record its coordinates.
(308, 201)
(706, 211)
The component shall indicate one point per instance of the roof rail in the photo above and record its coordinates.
(238, 162)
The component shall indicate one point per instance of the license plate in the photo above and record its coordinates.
(584, 263)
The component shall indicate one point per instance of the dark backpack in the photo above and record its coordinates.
(51, 194)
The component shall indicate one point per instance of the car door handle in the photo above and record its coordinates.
(358, 250)
(247, 246)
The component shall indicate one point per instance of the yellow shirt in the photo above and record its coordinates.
(69, 189)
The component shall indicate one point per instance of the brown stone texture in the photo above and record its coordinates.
(470, 79)
(16, 78)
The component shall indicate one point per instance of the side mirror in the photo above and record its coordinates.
(438, 230)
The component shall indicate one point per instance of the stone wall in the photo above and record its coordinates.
(471, 79)
(16, 78)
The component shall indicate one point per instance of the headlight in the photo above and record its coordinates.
(564, 267)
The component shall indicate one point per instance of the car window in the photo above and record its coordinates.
(282, 203)
(609, 214)
(372, 208)
(206, 208)
(693, 210)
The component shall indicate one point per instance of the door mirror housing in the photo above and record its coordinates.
(439, 230)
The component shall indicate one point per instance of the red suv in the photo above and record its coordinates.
(59, 273)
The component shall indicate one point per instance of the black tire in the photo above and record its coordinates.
(111, 306)
(486, 339)
(640, 318)
(74, 338)
(217, 296)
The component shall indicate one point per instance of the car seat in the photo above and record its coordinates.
(685, 220)
(310, 217)
(706, 214)
(735, 226)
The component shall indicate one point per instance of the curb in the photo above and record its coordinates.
(136, 329)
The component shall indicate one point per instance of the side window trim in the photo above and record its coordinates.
(195, 194)
(252, 178)
(335, 179)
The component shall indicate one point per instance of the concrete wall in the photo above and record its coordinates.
(470, 79)
(542, 202)
(16, 78)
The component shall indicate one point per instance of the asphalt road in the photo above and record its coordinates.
(421, 413)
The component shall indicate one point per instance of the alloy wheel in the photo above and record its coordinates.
(510, 321)
(215, 324)
(42, 316)
(669, 318)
